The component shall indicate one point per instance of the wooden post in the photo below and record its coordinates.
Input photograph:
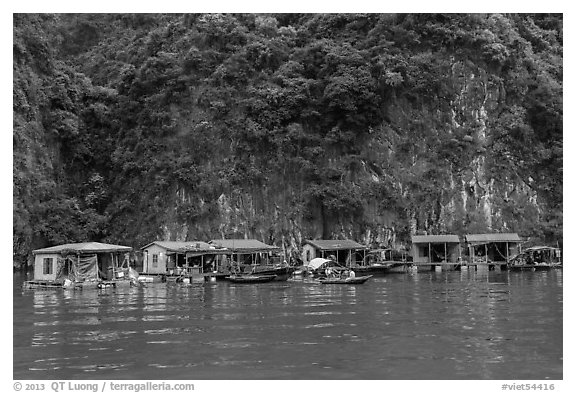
(486, 252)
(507, 253)
(429, 253)
(445, 252)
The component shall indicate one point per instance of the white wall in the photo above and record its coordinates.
(39, 266)
(147, 264)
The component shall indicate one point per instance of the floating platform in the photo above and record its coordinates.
(46, 284)
(41, 284)
(539, 266)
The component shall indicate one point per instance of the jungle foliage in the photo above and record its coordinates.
(129, 128)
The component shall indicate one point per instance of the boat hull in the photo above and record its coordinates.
(542, 266)
(382, 269)
(347, 280)
(251, 279)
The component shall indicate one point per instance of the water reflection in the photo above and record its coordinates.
(446, 325)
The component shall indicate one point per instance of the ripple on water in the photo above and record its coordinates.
(448, 325)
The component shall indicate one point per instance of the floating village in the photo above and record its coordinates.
(100, 265)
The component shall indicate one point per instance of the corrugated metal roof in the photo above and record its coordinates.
(322, 244)
(243, 245)
(90, 247)
(435, 239)
(493, 238)
(192, 245)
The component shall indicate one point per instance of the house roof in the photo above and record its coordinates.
(540, 248)
(192, 246)
(435, 239)
(321, 244)
(493, 238)
(243, 245)
(82, 248)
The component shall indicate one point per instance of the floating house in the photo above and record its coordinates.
(492, 247)
(173, 258)
(345, 252)
(435, 249)
(80, 263)
(243, 253)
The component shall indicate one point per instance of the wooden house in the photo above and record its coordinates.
(431, 249)
(492, 247)
(247, 252)
(173, 258)
(79, 263)
(345, 252)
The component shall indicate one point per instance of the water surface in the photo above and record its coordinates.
(425, 325)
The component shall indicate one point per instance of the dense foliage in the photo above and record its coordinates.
(129, 128)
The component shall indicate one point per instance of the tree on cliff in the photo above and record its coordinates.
(281, 127)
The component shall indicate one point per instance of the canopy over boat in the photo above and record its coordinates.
(317, 263)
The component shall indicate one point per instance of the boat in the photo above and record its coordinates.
(345, 280)
(317, 267)
(384, 261)
(280, 272)
(250, 278)
(537, 258)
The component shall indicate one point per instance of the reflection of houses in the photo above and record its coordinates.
(432, 249)
(246, 252)
(191, 258)
(345, 252)
(81, 263)
(492, 247)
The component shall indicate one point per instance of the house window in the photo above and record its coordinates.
(47, 267)
(424, 251)
(154, 260)
(307, 255)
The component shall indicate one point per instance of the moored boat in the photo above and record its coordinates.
(537, 258)
(250, 278)
(384, 261)
(345, 280)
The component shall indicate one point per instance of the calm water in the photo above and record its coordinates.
(427, 325)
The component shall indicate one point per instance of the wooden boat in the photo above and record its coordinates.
(537, 258)
(345, 280)
(250, 278)
(384, 261)
(280, 272)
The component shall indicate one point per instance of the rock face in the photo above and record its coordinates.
(130, 128)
